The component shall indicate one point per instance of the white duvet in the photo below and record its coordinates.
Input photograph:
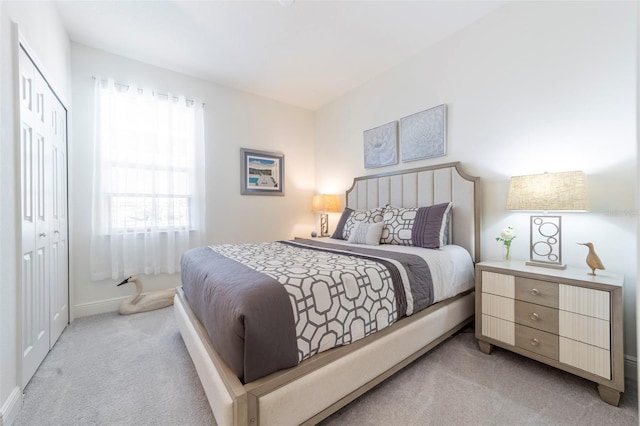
(451, 267)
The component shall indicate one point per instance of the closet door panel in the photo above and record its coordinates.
(35, 250)
(58, 224)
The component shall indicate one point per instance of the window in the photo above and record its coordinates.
(148, 178)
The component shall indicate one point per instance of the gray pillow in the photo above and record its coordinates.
(366, 233)
(433, 226)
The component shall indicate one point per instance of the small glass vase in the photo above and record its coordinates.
(507, 253)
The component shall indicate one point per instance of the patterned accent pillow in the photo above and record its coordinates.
(421, 226)
(350, 217)
(366, 233)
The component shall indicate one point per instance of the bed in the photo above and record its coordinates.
(338, 376)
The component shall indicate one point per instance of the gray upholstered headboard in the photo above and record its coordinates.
(426, 186)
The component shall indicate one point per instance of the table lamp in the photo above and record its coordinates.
(564, 191)
(325, 203)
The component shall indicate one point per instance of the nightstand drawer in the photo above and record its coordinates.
(585, 301)
(498, 306)
(581, 328)
(540, 342)
(585, 357)
(498, 329)
(537, 316)
(536, 291)
(498, 284)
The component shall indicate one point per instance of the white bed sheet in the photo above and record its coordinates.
(451, 266)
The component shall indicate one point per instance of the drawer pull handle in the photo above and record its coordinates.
(535, 342)
(535, 291)
(534, 317)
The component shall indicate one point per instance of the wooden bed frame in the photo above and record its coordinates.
(338, 376)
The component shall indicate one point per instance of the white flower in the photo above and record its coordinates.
(507, 233)
(506, 236)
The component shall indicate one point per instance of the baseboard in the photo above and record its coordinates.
(631, 367)
(11, 407)
(97, 307)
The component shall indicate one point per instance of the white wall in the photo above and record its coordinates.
(533, 87)
(41, 28)
(233, 119)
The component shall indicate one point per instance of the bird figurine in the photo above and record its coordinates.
(149, 302)
(593, 261)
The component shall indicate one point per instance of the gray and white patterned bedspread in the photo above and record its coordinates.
(336, 295)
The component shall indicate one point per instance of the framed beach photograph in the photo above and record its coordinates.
(424, 134)
(381, 145)
(262, 172)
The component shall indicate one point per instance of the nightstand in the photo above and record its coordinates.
(564, 318)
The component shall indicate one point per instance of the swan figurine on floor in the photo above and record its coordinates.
(149, 302)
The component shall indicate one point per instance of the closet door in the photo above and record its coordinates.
(43, 152)
(35, 239)
(58, 226)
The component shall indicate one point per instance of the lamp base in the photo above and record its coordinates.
(324, 225)
(546, 242)
(546, 265)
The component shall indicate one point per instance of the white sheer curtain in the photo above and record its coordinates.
(148, 181)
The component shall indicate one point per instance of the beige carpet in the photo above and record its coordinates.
(135, 370)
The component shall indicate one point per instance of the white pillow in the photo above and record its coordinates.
(366, 233)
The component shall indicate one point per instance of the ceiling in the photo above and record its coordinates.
(304, 53)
